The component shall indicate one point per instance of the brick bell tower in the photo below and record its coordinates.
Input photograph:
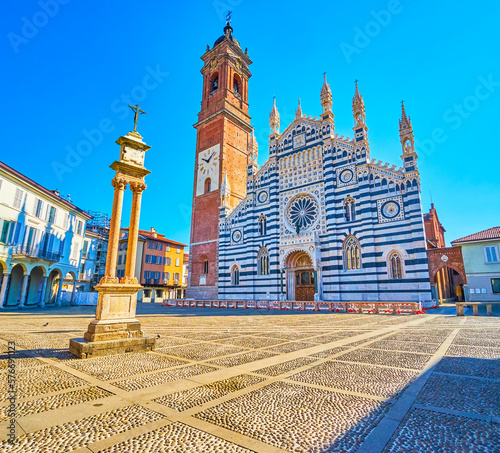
(222, 154)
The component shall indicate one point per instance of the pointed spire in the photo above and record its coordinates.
(358, 98)
(298, 112)
(326, 96)
(225, 191)
(405, 121)
(274, 118)
(253, 147)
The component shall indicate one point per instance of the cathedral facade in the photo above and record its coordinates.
(320, 220)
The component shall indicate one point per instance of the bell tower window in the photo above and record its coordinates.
(237, 85)
(208, 185)
(214, 83)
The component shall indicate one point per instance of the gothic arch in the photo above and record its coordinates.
(285, 257)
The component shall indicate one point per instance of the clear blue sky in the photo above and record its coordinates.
(75, 69)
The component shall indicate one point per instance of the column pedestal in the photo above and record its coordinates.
(115, 329)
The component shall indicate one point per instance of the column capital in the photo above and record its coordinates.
(119, 183)
(137, 187)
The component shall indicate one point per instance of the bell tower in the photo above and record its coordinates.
(223, 150)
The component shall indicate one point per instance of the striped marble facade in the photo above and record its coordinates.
(321, 203)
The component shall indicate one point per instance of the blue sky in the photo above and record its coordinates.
(71, 67)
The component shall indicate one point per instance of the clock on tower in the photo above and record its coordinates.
(208, 170)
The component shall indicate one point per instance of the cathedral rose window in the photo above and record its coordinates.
(302, 212)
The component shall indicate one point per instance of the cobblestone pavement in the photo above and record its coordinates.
(252, 381)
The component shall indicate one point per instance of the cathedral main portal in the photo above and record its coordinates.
(301, 277)
(305, 285)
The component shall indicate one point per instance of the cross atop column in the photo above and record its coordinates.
(137, 111)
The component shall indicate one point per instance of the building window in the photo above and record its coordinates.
(495, 285)
(352, 253)
(262, 225)
(150, 244)
(349, 209)
(395, 265)
(178, 250)
(204, 261)
(236, 84)
(38, 208)
(85, 249)
(177, 262)
(214, 82)
(52, 218)
(491, 253)
(119, 259)
(5, 231)
(169, 261)
(79, 227)
(177, 276)
(66, 222)
(263, 262)
(235, 276)
(208, 185)
(18, 198)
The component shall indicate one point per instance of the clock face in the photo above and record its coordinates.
(133, 155)
(346, 176)
(208, 167)
(236, 236)
(390, 209)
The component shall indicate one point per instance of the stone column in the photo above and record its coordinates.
(44, 289)
(3, 291)
(73, 292)
(24, 288)
(59, 291)
(114, 231)
(133, 233)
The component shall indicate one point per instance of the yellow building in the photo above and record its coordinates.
(159, 265)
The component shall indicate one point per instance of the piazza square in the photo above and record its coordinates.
(257, 381)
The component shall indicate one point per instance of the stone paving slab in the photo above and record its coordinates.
(275, 415)
(70, 398)
(475, 352)
(241, 359)
(285, 367)
(360, 378)
(162, 377)
(432, 432)
(37, 380)
(291, 347)
(251, 342)
(329, 352)
(69, 436)
(178, 438)
(124, 365)
(386, 358)
(202, 351)
(181, 401)
(470, 367)
(408, 346)
(462, 394)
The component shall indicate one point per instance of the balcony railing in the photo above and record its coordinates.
(35, 252)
